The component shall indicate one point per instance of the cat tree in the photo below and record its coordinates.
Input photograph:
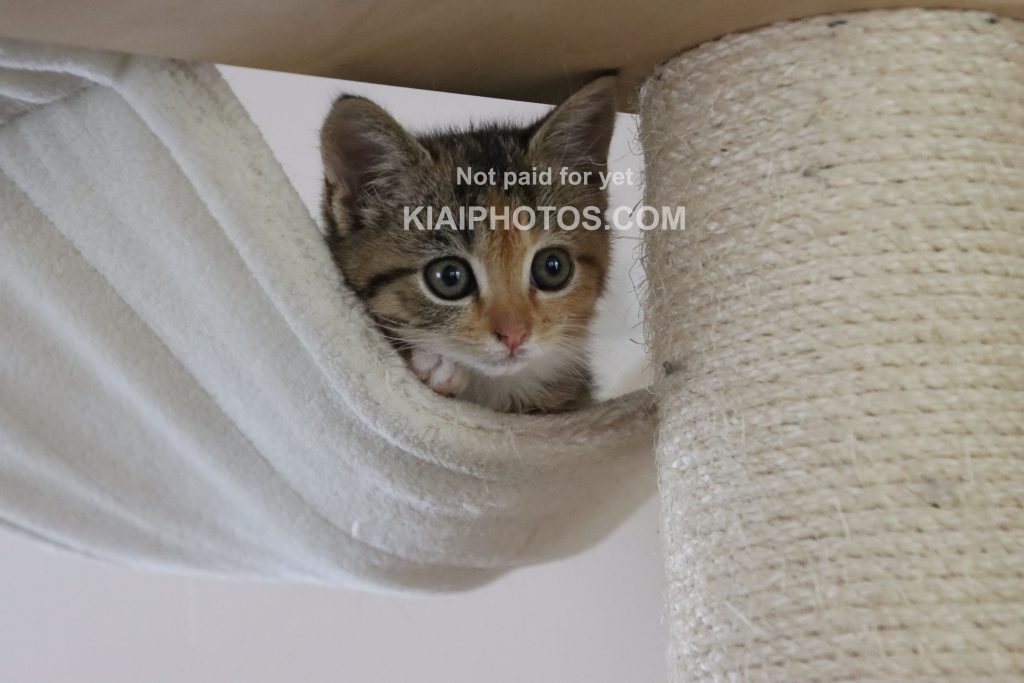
(841, 332)
(838, 419)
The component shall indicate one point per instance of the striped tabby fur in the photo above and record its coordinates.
(467, 348)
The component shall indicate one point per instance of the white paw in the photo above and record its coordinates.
(441, 374)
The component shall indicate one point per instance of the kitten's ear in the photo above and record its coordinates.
(364, 149)
(577, 133)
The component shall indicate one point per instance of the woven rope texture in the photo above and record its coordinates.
(839, 338)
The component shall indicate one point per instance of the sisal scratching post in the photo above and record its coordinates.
(840, 335)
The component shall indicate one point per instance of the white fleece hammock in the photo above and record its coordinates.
(184, 384)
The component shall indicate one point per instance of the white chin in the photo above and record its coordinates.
(501, 368)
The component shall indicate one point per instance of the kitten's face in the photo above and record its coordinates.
(496, 298)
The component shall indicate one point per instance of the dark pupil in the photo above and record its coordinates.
(451, 275)
(553, 265)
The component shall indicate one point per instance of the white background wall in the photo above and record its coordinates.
(595, 618)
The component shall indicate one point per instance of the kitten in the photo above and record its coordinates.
(496, 315)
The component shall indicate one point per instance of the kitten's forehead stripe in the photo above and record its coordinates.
(447, 240)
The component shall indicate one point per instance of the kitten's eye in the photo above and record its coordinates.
(551, 269)
(450, 278)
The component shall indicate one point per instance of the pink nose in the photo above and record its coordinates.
(512, 336)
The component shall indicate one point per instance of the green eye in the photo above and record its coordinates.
(551, 269)
(450, 278)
